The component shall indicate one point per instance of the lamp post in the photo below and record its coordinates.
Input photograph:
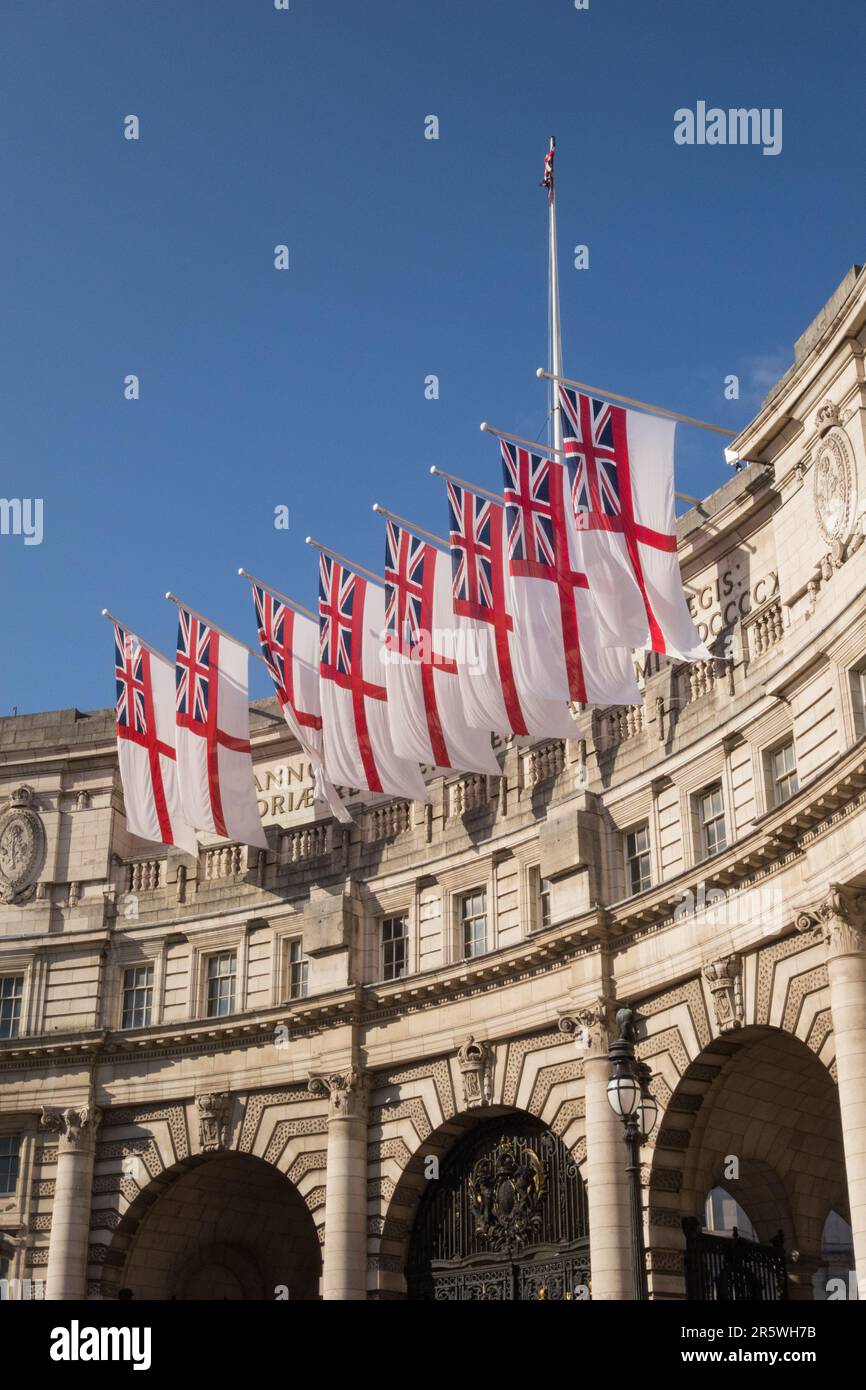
(630, 1098)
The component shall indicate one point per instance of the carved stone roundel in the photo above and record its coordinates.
(835, 500)
(22, 846)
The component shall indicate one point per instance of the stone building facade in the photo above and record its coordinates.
(244, 1076)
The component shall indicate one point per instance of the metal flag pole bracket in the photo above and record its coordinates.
(640, 405)
(471, 487)
(410, 526)
(106, 613)
(284, 598)
(172, 598)
(343, 560)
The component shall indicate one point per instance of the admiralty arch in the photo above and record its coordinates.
(372, 1062)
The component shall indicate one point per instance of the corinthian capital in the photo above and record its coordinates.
(346, 1092)
(592, 1028)
(75, 1127)
(841, 916)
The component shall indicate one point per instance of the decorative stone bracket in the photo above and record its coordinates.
(212, 1114)
(724, 978)
(475, 1060)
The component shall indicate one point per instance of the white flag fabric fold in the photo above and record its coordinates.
(493, 694)
(621, 473)
(559, 653)
(290, 646)
(214, 762)
(425, 704)
(145, 744)
(357, 740)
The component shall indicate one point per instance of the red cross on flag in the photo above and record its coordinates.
(558, 650)
(358, 748)
(290, 646)
(423, 653)
(493, 696)
(214, 763)
(145, 744)
(621, 473)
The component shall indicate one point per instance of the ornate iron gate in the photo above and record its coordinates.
(729, 1269)
(507, 1220)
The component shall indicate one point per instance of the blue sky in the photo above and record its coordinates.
(408, 257)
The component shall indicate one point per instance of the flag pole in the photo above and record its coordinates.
(555, 321)
(472, 487)
(119, 623)
(641, 405)
(535, 444)
(172, 598)
(293, 603)
(410, 526)
(343, 560)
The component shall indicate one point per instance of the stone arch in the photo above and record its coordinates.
(761, 1097)
(405, 1199)
(217, 1225)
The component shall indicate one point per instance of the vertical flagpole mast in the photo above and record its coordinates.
(553, 293)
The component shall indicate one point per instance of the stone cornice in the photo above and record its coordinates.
(781, 839)
(777, 411)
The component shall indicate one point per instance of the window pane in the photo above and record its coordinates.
(11, 995)
(638, 864)
(298, 970)
(785, 781)
(544, 916)
(395, 947)
(9, 1146)
(713, 820)
(137, 997)
(474, 918)
(221, 984)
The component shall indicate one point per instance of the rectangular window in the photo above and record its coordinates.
(395, 947)
(473, 920)
(9, 1146)
(137, 997)
(544, 913)
(783, 767)
(221, 977)
(712, 814)
(637, 860)
(299, 968)
(11, 995)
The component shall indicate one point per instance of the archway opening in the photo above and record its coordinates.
(227, 1228)
(757, 1115)
(506, 1219)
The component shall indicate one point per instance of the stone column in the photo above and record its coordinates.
(606, 1180)
(345, 1273)
(70, 1217)
(843, 917)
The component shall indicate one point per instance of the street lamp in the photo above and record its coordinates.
(630, 1098)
